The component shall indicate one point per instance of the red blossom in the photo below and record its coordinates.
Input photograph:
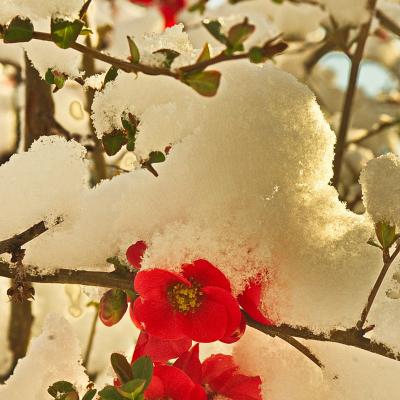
(197, 303)
(160, 350)
(219, 374)
(171, 383)
(250, 301)
(135, 253)
(168, 8)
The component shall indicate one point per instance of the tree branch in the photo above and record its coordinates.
(374, 131)
(17, 241)
(376, 287)
(350, 93)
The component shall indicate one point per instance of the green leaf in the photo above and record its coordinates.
(135, 55)
(199, 6)
(111, 75)
(169, 55)
(18, 30)
(372, 242)
(214, 28)
(205, 54)
(86, 31)
(70, 396)
(110, 393)
(118, 264)
(121, 367)
(130, 125)
(269, 50)
(239, 33)
(112, 307)
(142, 368)
(90, 394)
(133, 388)
(156, 157)
(49, 77)
(205, 83)
(60, 387)
(64, 33)
(113, 142)
(386, 234)
(256, 55)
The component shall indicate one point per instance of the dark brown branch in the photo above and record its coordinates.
(376, 287)
(350, 93)
(67, 276)
(17, 241)
(350, 337)
(388, 23)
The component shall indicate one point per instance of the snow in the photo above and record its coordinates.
(53, 356)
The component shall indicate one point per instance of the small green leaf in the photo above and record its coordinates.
(90, 394)
(118, 264)
(239, 33)
(205, 83)
(112, 307)
(49, 77)
(113, 142)
(111, 75)
(133, 387)
(199, 6)
(121, 367)
(70, 396)
(156, 157)
(214, 28)
(142, 368)
(110, 393)
(205, 54)
(86, 31)
(130, 125)
(169, 55)
(386, 234)
(135, 54)
(18, 30)
(256, 55)
(372, 242)
(64, 33)
(60, 387)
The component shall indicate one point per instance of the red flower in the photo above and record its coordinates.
(135, 253)
(160, 350)
(197, 303)
(219, 375)
(168, 8)
(171, 383)
(250, 301)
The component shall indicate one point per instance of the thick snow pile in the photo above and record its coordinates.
(53, 356)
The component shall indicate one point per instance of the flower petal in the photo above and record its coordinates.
(242, 387)
(160, 350)
(177, 385)
(189, 363)
(155, 390)
(250, 300)
(134, 253)
(197, 325)
(231, 306)
(215, 367)
(237, 334)
(154, 283)
(157, 318)
(206, 274)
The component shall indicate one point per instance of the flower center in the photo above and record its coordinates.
(184, 298)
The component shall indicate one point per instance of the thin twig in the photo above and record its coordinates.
(92, 334)
(374, 131)
(376, 287)
(350, 93)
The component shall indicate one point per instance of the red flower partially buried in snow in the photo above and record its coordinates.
(219, 375)
(168, 8)
(196, 303)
